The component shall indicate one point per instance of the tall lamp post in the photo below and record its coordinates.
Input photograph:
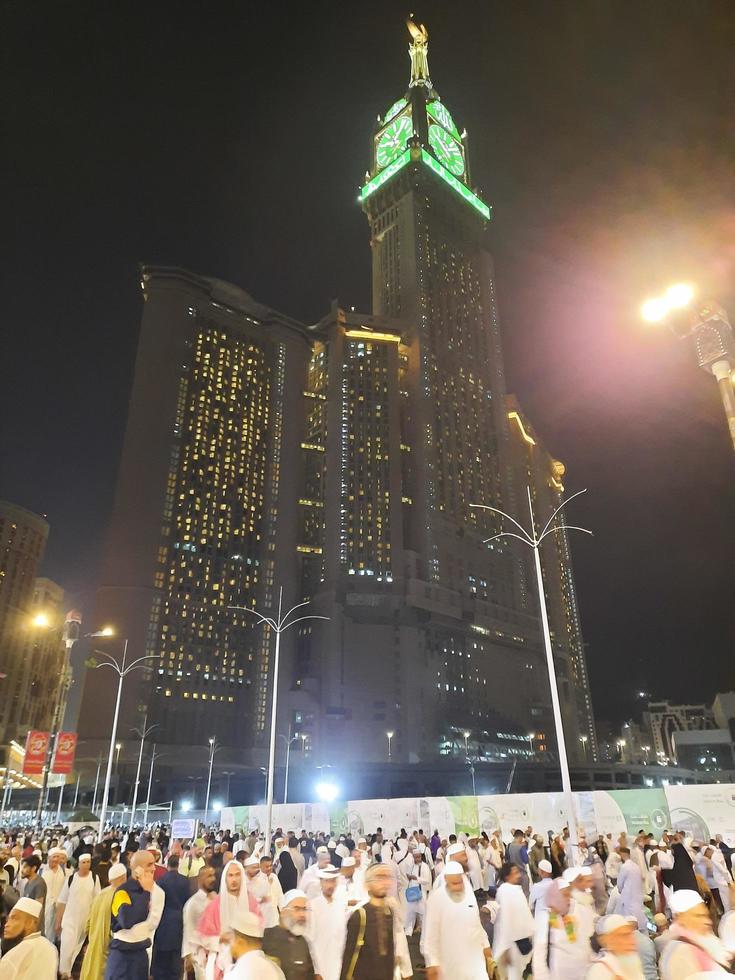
(212, 750)
(154, 755)
(144, 732)
(289, 740)
(712, 336)
(534, 541)
(122, 670)
(531, 737)
(278, 625)
(41, 622)
(583, 739)
(389, 736)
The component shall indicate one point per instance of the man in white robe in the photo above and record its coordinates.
(456, 946)
(474, 863)
(275, 892)
(514, 927)
(413, 875)
(630, 886)
(352, 889)
(561, 943)
(72, 912)
(54, 874)
(539, 890)
(34, 958)
(310, 878)
(327, 926)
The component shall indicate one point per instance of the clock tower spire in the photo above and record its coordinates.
(418, 51)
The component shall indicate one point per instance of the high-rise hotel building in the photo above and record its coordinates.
(341, 461)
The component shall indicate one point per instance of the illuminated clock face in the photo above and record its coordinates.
(447, 149)
(441, 114)
(392, 141)
(395, 109)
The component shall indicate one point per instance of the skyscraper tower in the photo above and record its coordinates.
(432, 633)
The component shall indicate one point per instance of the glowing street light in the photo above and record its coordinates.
(212, 750)
(531, 736)
(583, 739)
(389, 736)
(327, 792)
(712, 334)
(185, 806)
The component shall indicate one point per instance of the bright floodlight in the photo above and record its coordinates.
(326, 792)
(216, 806)
(679, 295)
(654, 310)
(186, 805)
(107, 631)
(41, 620)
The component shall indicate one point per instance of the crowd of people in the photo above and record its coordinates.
(137, 904)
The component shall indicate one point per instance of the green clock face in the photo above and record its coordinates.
(392, 141)
(395, 109)
(447, 149)
(440, 112)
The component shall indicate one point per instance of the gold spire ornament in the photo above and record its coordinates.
(418, 51)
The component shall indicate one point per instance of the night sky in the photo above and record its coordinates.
(231, 139)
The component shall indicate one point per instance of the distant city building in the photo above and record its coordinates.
(710, 750)
(723, 710)
(23, 536)
(665, 719)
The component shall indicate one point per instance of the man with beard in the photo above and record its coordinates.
(286, 943)
(693, 949)
(619, 958)
(376, 943)
(456, 945)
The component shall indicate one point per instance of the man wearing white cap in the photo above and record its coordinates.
(286, 943)
(95, 957)
(34, 958)
(275, 892)
(619, 959)
(54, 874)
(455, 945)
(327, 926)
(352, 888)
(246, 947)
(539, 890)
(72, 912)
(310, 879)
(693, 948)
(561, 943)
(630, 886)
(457, 854)
(414, 887)
(515, 925)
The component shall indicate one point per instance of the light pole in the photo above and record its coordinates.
(212, 750)
(531, 737)
(96, 782)
(288, 740)
(76, 792)
(621, 746)
(712, 335)
(154, 755)
(646, 749)
(41, 622)
(389, 736)
(533, 541)
(583, 740)
(466, 737)
(122, 670)
(144, 732)
(277, 626)
(471, 765)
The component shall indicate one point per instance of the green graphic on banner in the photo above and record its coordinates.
(464, 811)
(643, 809)
(338, 819)
(242, 816)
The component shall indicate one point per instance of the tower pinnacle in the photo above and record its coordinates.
(418, 51)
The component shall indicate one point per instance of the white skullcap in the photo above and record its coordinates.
(332, 843)
(57, 850)
(545, 866)
(453, 868)
(329, 871)
(421, 848)
(253, 859)
(662, 843)
(361, 840)
(571, 874)
(611, 923)
(455, 849)
(684, 900)
(85, 857)
(291, 896)
(28, 905)
(585, 871)
(348, 862)
(117, 871)
(322, 850)
(247, 923)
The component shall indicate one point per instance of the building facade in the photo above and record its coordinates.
(204, 519)
(665, 719)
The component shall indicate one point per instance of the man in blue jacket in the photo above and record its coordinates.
(169, 936)
(128, 956)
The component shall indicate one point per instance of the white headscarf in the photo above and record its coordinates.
(230, 904)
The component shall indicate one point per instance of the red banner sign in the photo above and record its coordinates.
(36, 749)
(66, 746)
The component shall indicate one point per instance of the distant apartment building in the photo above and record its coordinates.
(665, 719)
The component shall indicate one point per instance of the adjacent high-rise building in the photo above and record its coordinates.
(340, 461)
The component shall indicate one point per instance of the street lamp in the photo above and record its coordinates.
(144, 732)
(154, 755)
(531, 737)
(212, 750)
(621, 746)
(583, 740)
(389, 736)
(712, 334)
(122, 670)
(277, 626)
(288, 740)
(646, 749)
(466, 737)
(533, 541)
(41, 621)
